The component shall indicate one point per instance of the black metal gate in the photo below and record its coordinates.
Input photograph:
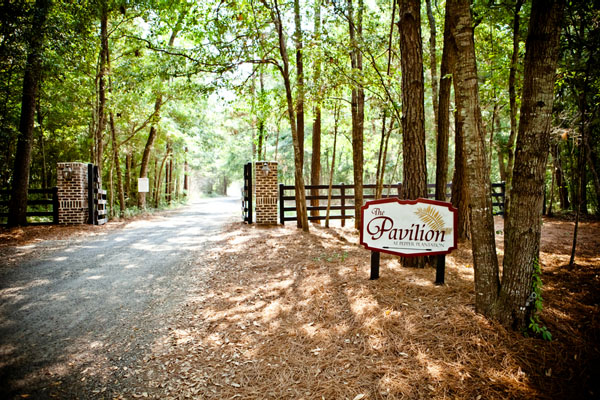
(247, 194)
(96, 197)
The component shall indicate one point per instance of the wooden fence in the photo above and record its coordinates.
(36, 199)
(342, 199)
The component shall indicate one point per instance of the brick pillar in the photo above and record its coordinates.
(72, 193)
(265, 183)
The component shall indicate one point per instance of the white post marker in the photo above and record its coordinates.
(143, 185)
(408, 228)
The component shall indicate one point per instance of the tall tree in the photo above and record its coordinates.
(478, 177)
(524, 222)
(101, 88)
(433, 61)
(413, 109)
(284, 69)
(315, 168)
(299, 79)
(355, 22)
(512, 95)
(443, 114)
(31, 82)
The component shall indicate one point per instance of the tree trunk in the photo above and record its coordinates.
(186, 185)
(159, 177)
(443, 114)
(315, 168)
(382, 159)
(581, 161)
(40, 121)
(358, 107)
(385, 137)
(128, 168)
(561, 182)
(523, 223)
(261, 120)
(336, 115)
(551, 205)
(433, 64)
(460, 191)
(512, 96)
(413, 110)
(117, 164)
(17, 212)
(285, 73)
(102, 73)
(154, 179)
(478, 177)
(299, 82)
(115, 144)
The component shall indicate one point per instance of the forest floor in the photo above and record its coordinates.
(277, 313)
(294, 315)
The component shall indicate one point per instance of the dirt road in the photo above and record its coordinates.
(77, 314)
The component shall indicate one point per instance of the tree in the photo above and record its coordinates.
(524, 222)
(315, 167)
(513, 98)
(413, 109)
(478, 178)
(443, 119)
(31, 82)
(355, 23)
(285, 73)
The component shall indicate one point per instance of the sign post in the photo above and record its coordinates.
(409, 228)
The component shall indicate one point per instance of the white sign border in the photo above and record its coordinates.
(453, 210)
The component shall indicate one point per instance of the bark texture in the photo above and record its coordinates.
(102, 74)
(512, 96)
(443, 114)
(20, 179)
(478, 178)
(413, 109)
(299, 81)
(358, 107)
(523, 223)
(285, 74)
(315, 166)
(433, 63)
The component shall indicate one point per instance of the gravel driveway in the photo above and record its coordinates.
(78, 315)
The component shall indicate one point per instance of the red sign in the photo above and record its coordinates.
(409, 228)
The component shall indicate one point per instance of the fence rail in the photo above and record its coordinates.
(346, 192)
(53, 202)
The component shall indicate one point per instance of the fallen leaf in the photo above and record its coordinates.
(359, 396)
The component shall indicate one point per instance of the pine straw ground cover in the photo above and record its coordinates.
(289, 315)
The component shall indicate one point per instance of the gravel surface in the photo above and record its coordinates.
(77, 315)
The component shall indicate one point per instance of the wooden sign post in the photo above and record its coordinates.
(409, 228)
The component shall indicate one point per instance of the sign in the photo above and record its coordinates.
(409, 228)
(143, 185)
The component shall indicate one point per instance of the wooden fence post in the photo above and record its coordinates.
(281, 205)
(55, 205)
(343, 203)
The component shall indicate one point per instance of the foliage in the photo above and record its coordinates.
(220, 86)
(534, 320)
